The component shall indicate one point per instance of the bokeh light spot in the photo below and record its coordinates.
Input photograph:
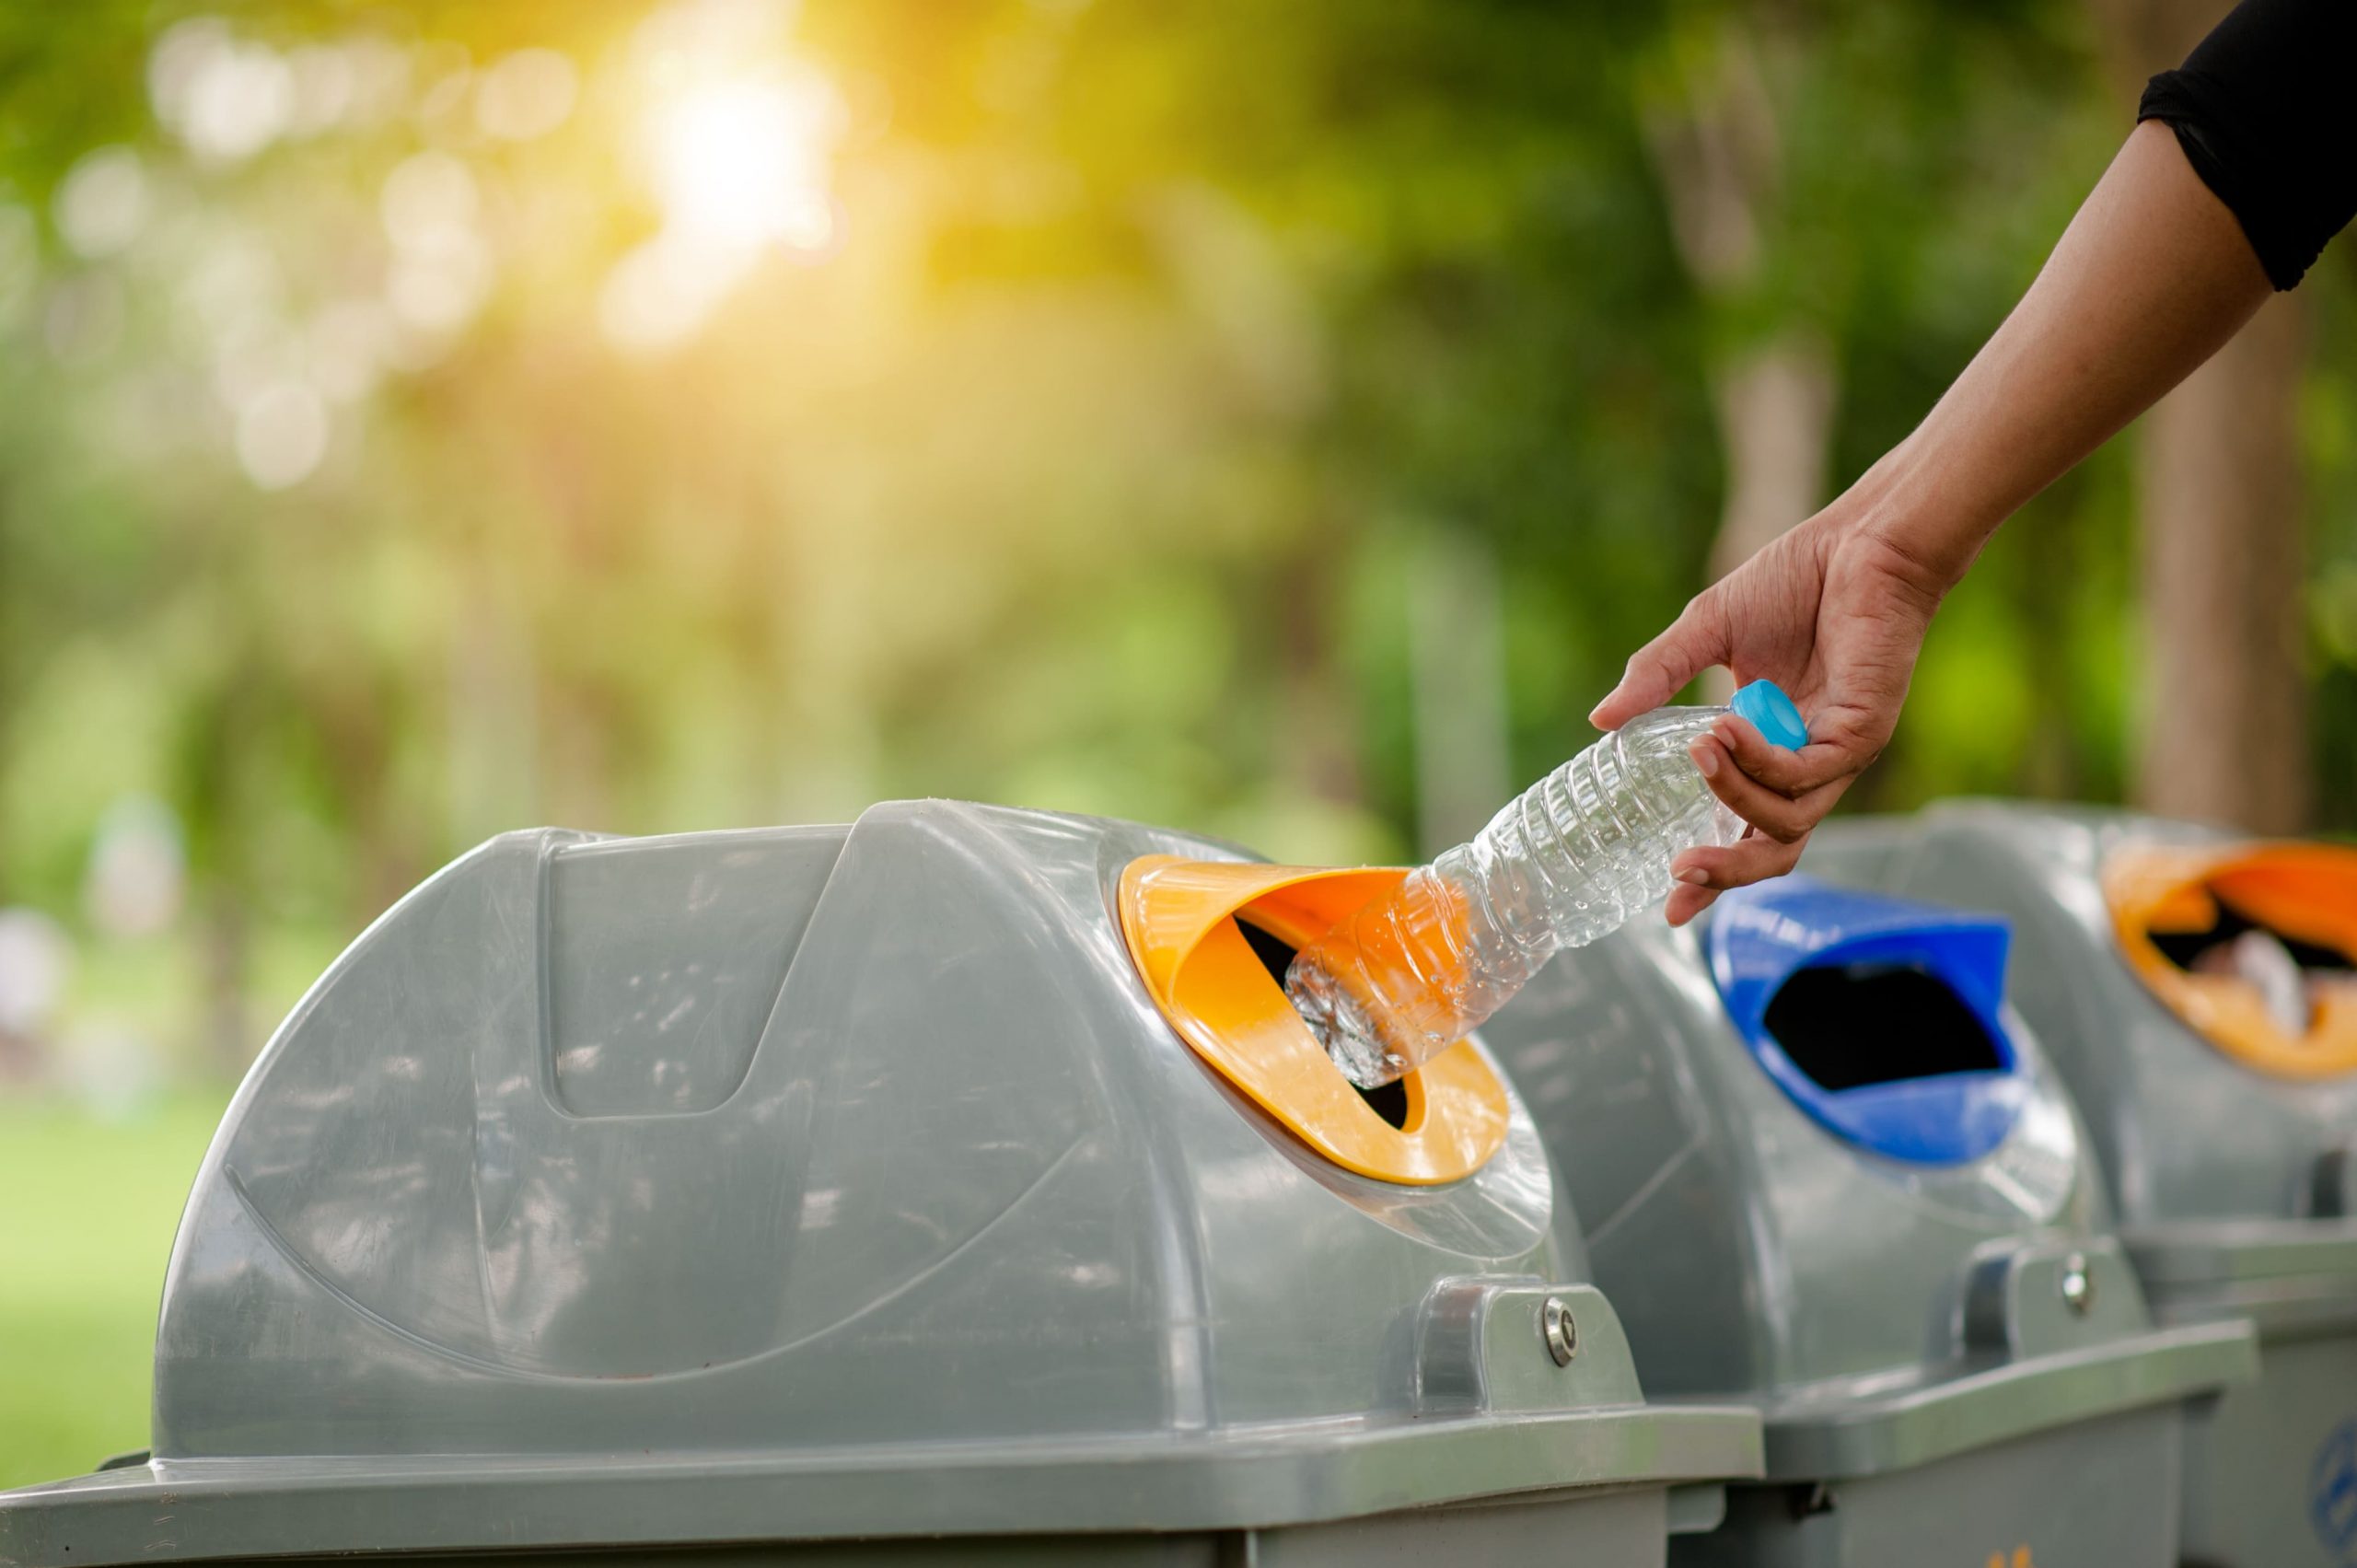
(282, 434)
(102, 204)
(735, 160)
(326, 81)
(660, 293)
(347, 348)
(526, 94)
(226, 99)
(736, 145)
(426, 197)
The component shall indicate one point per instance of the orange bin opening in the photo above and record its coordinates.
(2163, 900)
(1180, 921)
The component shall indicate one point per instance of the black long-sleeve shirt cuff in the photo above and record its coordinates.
(2261, 111)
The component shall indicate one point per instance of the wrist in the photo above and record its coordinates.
(1904, 509)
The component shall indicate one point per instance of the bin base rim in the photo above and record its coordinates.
(1826, 1436)
(190, 1510)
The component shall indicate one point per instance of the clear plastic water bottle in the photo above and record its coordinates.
(1583, 849)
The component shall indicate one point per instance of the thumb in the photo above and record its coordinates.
(1694, 642)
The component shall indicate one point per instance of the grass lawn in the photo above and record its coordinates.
(87, 1208)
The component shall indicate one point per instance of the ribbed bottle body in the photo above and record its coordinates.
(1570, 859)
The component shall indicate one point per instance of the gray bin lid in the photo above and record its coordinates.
(1880, 1313)
(821, 1182)
(2206, 1158)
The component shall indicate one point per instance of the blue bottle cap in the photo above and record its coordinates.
(1771, 713)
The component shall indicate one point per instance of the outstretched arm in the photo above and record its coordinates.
(2153, 275)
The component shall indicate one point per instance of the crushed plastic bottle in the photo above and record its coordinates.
(2261, 960)
(1583, 849)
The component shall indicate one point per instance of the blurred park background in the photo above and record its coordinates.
(418, 421)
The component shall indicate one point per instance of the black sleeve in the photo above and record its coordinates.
(2264, 109)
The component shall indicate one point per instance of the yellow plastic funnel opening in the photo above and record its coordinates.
(1180, 918)
(2305, 893)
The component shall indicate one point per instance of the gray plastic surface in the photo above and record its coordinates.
(1891, 1323)
(2230, 1183)
(1615, 1527)
(818, 1184)
(2077, 1494)
(2145, 1083)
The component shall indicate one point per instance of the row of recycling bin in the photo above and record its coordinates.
(958, 1187)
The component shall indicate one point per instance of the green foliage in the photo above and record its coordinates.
(86, 1213)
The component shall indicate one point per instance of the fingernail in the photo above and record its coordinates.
(1724, 730)
(1706, 756)
(1695, 874)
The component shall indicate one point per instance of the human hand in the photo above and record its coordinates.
(2153, 276)
(1834, 612)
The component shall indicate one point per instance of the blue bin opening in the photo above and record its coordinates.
(1882, 1018)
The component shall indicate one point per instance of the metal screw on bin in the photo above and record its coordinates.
(2078, 1284)
(1562, 1333)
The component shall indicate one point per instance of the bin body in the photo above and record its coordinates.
(2078, 1494)
(2230, 1180)
(1952, 1356)
(840, 1192)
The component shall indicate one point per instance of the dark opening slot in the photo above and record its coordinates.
(2185, 948)
(1275, 956)
(1846, 1025)
(1391, 1101)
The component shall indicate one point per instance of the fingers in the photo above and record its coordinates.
(1784, 818)
(1704, 873)
(1694, 642)
(1789, 774)
(1752, 778)
(1686, 903)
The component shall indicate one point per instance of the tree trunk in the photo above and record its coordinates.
(2225, 688)
(225, 956)
(1775, 409)
(1719, 157)
(1458, 668)
(493, 715)
(1316, 754)
(1238, 281)
(2225, 732)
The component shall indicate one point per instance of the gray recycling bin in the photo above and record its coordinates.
(943, 1189)
(1824, 1168)
(2226, 1132)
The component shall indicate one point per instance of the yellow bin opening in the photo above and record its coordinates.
(1180, 918)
